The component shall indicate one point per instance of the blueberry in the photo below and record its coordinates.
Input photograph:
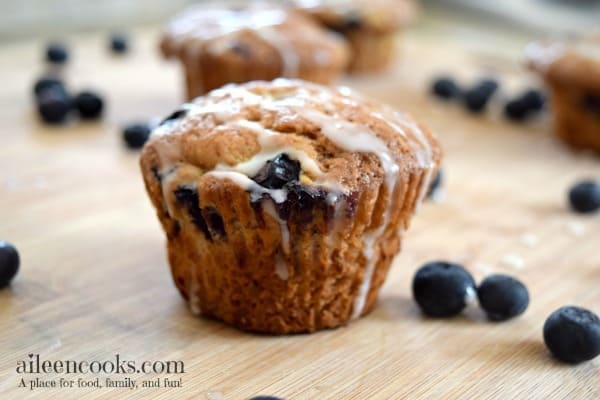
(437, 181)
(119, 43)
(9, 263)
(533, 99)
(265, 398)
(572, 334)
(188, 197)
(445, 88)
(242, 49)
(53, 105)
(516, 110)
(584, 197)
(175, 115)
(502, 297)
(442, 289)
(488, 86)
(56, 53)
(89, 105)
(352, 21)
(48, 82)
(136, 135)
(591, 103)
(277, 172)
(476, 100)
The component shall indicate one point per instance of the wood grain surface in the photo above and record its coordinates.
(94, 281)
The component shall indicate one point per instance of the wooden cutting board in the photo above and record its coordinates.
(94, 280)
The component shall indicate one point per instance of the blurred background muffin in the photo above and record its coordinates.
(371, 27)
(571, 69)
(219, 43)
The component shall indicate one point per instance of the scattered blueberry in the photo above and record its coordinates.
(502, 297)
(9, 263)
(119, 43)
(441, 289)
(53, 105)
(436, 183)
(56, 53)
(584, 197)
(476, 100)
(445, 88)
(488, 86)
(136, 135)
(46, 83)
(265, 398)
(516, 110)
(572, 334)
(533, 99)
(89, 105)
(277, 172)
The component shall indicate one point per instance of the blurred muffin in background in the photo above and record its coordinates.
(571, 70)
(370, 26)
(225, 42)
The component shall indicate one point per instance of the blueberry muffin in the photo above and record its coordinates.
(571, 70)
(285, 202)
(370, 27)
(218, 44)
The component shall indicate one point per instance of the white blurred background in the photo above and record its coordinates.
(26, 18)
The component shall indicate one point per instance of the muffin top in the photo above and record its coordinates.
(330, 139)
(375, 15)
(574, 59)
(255, 29)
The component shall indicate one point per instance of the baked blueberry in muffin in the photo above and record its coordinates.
(285, 202)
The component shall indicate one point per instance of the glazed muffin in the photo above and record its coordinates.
(571, 70)
(218, 44)
(285, 202)
(370, 26)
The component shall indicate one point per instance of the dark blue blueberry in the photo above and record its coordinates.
(119, 43)
(445, 88)
(265, 398)
(476, 100)
(56, 53)
(48, 82)
(502, 297)
(9, 263)
(516, 110)
(302, 202)
(591, 103)
(89, 105)
(437, 181)
(136, 135)
(572, 334)
(188, 197)
(175, 115)
(53, 105)
(242, 49)
(488, 86)
(533, 99)
(441, 289)
(277, 172)
(214, 221)
(584, 197)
